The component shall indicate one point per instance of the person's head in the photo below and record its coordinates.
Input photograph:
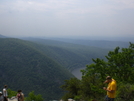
(5, 86)
(108, 79)
(19, 91)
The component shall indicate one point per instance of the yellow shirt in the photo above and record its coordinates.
(111, 86)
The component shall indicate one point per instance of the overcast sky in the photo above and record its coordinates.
(67, 18)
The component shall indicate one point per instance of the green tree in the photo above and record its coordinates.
(125, 92)
(119, 65)
(91, 88)
(11, 93)
(72, 87)
(33, 97)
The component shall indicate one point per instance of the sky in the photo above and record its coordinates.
(63, 18)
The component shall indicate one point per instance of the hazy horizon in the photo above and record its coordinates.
(98, 19)
(123, 39)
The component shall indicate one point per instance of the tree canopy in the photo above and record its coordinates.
(119, 64)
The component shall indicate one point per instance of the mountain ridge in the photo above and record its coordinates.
(43, 63)
(75, 52)
(19, 63)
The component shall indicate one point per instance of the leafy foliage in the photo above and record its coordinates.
(72, 86)
(11, 93)
(33, 97)
(125, 92)
(119, 65)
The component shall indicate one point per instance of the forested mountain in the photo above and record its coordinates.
(23, 66)
(69, 55)
(42, 65)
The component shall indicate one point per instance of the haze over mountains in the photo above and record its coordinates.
(42, 65)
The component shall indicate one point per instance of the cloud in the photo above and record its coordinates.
(65, 7)
(24, 5)
(121, 4)
(67, 16)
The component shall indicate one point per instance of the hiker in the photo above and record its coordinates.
(111, 89)
(1, 97)
(5, 93)
(20, 95)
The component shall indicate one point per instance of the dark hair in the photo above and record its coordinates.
(19, 91)
(5, 86)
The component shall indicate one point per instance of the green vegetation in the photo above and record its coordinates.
(40, 67)
(33, 97)
(22, 66)
(43, 65)
(69, 55)
(119, 65)
(11, 93)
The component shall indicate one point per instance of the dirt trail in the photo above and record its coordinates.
(15, 99)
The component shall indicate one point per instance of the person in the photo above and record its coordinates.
(111, 89)
(5, 95)
(1, 97)
(20, 95)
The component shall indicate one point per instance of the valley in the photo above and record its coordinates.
(45, 63)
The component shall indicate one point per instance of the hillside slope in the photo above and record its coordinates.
(69, 55)
(22, 66)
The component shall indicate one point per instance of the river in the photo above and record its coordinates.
(77, 73)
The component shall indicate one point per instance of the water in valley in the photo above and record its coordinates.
(77, 73)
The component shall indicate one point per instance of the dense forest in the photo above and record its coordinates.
(42, 65)
(42, 68)
(70, 55)
(25, 67)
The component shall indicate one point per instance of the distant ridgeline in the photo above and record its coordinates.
(42, 65)
(69, 55)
